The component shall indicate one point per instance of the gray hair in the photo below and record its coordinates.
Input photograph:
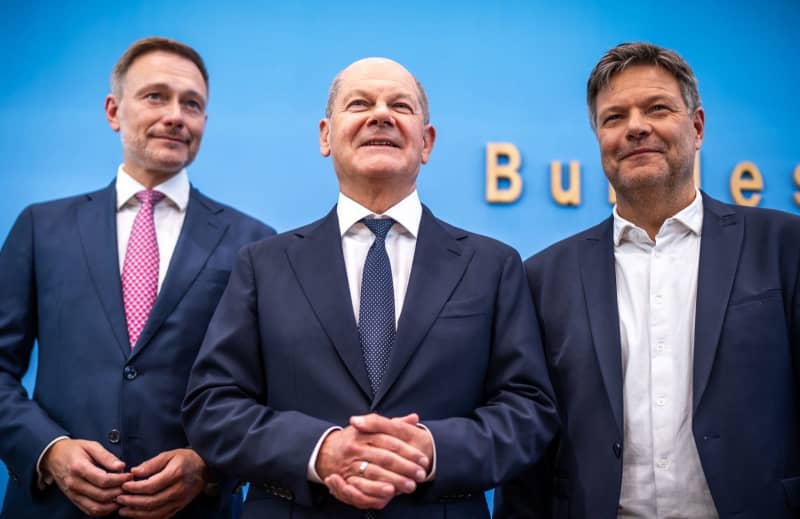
(625, 55)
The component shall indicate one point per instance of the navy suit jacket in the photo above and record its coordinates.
(746, 366)
(282, 362)
(60, 280)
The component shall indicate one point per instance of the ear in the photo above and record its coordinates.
(699, 123)
(428, 138)
(112, 109)
(324, 137)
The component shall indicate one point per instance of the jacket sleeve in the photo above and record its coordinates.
(26, 428)
(224, 412)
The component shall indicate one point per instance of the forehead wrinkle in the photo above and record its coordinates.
(160, 85)
(665, 96)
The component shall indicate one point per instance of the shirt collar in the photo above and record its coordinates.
(176, 188)
(407, 212)
(690, 218)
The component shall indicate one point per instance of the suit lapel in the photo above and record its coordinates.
(439, 263)
(97, 227)
(200, 235)
(317, 261)
(596, 258)
(720, 246)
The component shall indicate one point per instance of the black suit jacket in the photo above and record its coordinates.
(746, 418)
(61, 288)
(282, 363)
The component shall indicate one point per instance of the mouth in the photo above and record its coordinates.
(380, 143)
(169, 138)
(639, 151)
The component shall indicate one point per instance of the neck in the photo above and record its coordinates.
(378, 199)
(649, 208)
(149, 179)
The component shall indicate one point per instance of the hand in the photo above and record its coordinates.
(360, 489)
(394, 467)
(403, 428)
(87, 474)
(165, 484)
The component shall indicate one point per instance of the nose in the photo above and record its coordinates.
(173, 114)
(638, 125)
(381, 115)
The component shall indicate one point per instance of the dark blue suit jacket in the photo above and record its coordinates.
(282, 362)
(60, 280)
(746, 417)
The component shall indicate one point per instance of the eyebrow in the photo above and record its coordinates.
(647, 100)
(165, 86)
(363, 93)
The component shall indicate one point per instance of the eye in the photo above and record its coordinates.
(357, 105)
(656, 108)
(194, 105)
(403, 107)
(611, 119)
(154, 96)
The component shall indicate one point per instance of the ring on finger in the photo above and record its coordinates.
(362, 467)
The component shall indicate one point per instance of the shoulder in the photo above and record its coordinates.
(282, 241)
(564, 250)
(66, 203)
(232, 216)
(767, 223)
(483, 245)
(61, 211)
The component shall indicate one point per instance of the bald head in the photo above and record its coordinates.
(376, 68)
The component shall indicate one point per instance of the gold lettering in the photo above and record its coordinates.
(508, 172)
(571, 195)
(797, 183)
(746, 179)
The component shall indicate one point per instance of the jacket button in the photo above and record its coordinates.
(130, 372)
(617, 449)
(113, 436)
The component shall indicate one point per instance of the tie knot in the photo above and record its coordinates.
(149, 197)
(379, 226)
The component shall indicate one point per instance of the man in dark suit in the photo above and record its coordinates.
(672, 329)
(378, 351)
(117, 287)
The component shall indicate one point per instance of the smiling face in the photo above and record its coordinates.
(160, 114)
(376, 132)
(646, 135)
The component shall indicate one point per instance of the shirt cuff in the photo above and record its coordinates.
(311, 471)
(44, 480)
(432, 473)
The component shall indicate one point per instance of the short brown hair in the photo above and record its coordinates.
(146, 46)
(625, 55)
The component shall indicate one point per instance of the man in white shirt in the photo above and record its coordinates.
(672, 329)
(378, 362)
(117, 288)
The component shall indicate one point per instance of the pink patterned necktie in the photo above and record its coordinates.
(140, 270)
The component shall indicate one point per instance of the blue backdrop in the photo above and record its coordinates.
(508, 71)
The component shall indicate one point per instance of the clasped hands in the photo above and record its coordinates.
(398, 456)
(92, 478)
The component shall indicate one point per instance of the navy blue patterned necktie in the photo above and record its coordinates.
(376, 310)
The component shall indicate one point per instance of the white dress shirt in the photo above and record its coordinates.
(662, 476)
(168, 216)
(401, 243)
